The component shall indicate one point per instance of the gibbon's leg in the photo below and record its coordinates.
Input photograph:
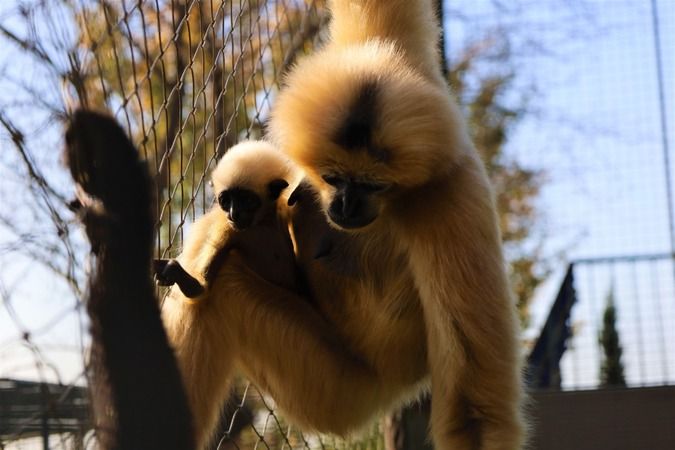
(205, 355)
(285, 347)
(137, 393)
(279, 341)
(472, 329)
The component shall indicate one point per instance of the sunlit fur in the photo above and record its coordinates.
(429, 300)
(197, 327)
(250, 165)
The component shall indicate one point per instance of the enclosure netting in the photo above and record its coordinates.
(189, 80)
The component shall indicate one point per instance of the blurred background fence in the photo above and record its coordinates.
(645, 322)
(570, 103)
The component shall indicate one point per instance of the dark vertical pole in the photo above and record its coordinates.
(441, 38)
(663, 121)
(45, 416)
(139, 399)
(45, 431)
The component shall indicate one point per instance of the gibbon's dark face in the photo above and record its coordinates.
(244, 207)
(354, 202)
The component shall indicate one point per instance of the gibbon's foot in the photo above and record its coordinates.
(169, 272)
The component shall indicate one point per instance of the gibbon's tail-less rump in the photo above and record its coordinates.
(244, 236)
(370, 121)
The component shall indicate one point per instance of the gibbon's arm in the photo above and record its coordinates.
(203, 251)
(411, 24)
(459, 270)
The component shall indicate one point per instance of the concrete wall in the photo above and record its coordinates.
(609, 419)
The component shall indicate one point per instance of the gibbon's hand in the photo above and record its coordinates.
(97, 153)
(169, 272)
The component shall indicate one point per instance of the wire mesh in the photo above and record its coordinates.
(189, 80)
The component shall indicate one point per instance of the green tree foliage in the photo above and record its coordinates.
(484, 81)
(611, 370)
(188, 79)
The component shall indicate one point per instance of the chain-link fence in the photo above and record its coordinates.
(571, 103)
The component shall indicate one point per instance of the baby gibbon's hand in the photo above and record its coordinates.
(169, 272)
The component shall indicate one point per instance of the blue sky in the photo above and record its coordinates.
(597, 134)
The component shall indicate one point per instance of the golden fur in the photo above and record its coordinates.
(197, 328)
(429, 299)
(250, 165)
(415, 299)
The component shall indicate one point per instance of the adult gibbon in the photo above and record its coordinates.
(395, 234)
(384, 148)
(243, 237)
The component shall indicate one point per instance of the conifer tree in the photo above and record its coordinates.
(611, 371)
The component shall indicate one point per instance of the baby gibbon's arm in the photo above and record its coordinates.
(207, 237)
(203, 251)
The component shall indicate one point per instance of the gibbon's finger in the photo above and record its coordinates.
(300, 193)
(158, 266)
(293, 198)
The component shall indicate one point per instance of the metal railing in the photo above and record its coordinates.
(569, 352)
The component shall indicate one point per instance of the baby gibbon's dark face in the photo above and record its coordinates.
(353, 204)
(245, 207)
(241, 206)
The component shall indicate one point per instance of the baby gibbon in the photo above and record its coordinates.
(414, 289)
(248, 181)
(244, 236)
